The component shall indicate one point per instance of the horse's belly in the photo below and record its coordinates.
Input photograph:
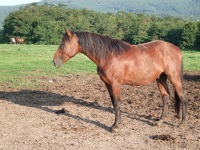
(141, 77)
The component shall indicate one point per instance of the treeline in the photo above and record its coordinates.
(45, 25)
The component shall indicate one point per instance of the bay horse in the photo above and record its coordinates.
(121, 63)
(19, 40)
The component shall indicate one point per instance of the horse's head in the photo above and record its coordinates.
(68, 48)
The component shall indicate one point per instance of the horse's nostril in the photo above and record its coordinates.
(53, 62)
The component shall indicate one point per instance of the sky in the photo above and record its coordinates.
(16, 2)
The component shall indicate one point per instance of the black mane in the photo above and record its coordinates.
(100, 46)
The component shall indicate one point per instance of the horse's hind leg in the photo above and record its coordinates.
(162, 85)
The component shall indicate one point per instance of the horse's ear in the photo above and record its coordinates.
(68, 32)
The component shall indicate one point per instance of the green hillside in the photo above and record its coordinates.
(185, 9)
(189, 8)
(5, 10)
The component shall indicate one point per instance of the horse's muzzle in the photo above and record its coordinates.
(57, 62)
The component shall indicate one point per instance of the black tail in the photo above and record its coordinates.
(176, 97)
(177, 103)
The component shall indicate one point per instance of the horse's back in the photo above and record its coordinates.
(161, 51)
(159, 46)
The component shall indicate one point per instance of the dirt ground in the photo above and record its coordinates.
(28, 119)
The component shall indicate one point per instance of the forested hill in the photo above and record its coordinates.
(180, 8)
(189, 8)
(44, 24)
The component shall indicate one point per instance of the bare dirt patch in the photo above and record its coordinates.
(28, 119)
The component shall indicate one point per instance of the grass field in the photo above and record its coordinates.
(17, 62)
(191, 60)
(20, 61)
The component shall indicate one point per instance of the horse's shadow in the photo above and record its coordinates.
(189, 77)
(41, 100)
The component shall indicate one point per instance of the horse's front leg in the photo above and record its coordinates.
(115, 91)
(116, 105)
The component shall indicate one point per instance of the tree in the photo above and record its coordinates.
(197, 42)
(1, 36)
(189, 34)
(139, 30)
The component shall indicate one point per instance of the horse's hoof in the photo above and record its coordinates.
(62, 111)
(159, 123)
(114, 129)
(182, 124)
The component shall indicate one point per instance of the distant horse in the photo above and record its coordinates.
(12, 41)
(121, 63)
(19, 40)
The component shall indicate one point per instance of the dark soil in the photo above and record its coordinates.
(28, 118)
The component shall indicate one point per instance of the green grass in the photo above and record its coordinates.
(17, 62)
(191, 60)
(22, 65)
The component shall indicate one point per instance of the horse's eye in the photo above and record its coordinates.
(62, 45)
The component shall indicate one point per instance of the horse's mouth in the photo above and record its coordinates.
(57, 63)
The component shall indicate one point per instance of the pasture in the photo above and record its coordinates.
(19, 61)
(32, 89)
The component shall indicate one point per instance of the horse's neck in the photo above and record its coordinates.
(99, 62)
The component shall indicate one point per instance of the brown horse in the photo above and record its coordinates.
(19, 40)
(121, 63)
